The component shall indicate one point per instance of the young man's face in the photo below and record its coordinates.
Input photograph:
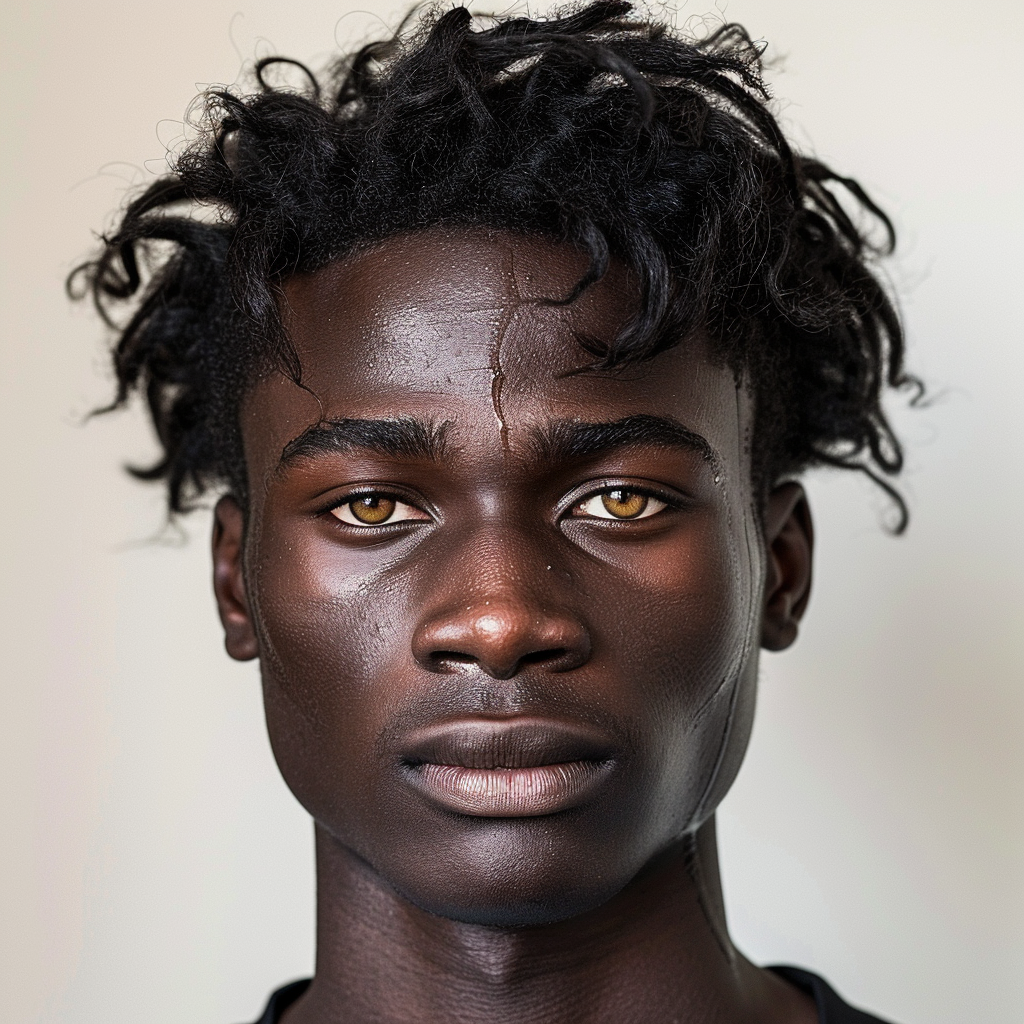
(507, 614)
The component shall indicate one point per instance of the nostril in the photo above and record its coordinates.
(554, 655)
(452, 661)
(448, 661)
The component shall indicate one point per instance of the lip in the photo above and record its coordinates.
(507, 769)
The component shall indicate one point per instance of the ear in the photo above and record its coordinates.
(789, 539)
(228, 582)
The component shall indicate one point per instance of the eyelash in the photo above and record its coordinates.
(337, 507)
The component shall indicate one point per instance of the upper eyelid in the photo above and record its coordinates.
(383, 492)
(669, 495)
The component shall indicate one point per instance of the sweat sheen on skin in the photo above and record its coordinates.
(503, 607)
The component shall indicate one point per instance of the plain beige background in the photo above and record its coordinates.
(152, 865)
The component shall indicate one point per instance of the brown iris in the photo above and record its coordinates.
(372, 509)
(624, 504)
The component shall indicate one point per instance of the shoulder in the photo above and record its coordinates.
(281, 1000)
(831, 1008)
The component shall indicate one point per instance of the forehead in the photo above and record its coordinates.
(446, 300)
(467, 328)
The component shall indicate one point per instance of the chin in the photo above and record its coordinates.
(517, 874)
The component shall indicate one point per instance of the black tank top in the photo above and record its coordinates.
(831, 1009)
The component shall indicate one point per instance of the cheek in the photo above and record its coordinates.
(689, 650)
(327, 636)
(326, 614)
(677, 611)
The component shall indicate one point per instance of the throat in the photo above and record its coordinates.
(652, 953)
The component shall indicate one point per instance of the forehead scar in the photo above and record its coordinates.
(497, 372)
(498, 382)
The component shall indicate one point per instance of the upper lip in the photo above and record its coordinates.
(508, 743)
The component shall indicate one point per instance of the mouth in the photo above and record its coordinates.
(507, 769)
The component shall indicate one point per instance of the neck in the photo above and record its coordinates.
(659, 951)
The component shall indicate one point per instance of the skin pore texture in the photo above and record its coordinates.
(508, 613)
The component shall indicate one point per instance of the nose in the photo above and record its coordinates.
(501, 627)
(501, 637)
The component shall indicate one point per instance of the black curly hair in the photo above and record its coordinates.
(597, 127)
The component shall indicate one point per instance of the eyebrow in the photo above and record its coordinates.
(573, 439)
(404, 437)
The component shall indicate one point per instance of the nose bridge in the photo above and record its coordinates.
(497, 604)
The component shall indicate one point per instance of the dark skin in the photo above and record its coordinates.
(508, 619)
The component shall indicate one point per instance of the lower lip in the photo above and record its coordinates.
(510, 792)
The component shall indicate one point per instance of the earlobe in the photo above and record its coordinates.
(228, 581)
(789, 541)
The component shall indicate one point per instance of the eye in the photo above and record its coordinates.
(377, 510)
(620, 503)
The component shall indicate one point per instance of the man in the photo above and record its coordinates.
(506, 350)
